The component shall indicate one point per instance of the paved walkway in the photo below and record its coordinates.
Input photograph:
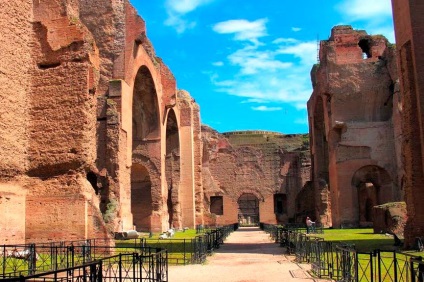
(248, 255)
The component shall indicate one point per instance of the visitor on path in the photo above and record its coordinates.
(310, 225)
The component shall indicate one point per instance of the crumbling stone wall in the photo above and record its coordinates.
(262, 164)
(355, 126)
(82, 115)
(409, 41)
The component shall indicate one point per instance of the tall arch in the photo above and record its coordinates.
(141, 197)
(145, 108)
(145, 183)
(374, 187)
(172, 169)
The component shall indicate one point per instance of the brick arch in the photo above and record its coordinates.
(372, 183)
(249, 191)
(145, 107)
(373, 174)
(172, 169)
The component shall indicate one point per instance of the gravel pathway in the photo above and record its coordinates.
(248, 255)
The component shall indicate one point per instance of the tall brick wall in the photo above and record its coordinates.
(258, 163)
(409, 30)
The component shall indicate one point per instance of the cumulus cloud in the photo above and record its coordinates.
(266, 109)
(296, 29)
(251, 61)
(242, 29)
(275, 70)
(177, 9)
(185, 6)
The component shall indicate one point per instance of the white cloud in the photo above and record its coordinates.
(177, 9)
(277, 72)
(306, 51)
(185, 6)
(243, 30)
(373, 16)
(296, 29)
(218, 64)
(366, 9)
(284, 40)
(266, 109)
(251, 61)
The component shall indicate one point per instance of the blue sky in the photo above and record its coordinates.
(247, 62)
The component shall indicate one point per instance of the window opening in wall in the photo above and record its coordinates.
(365, 45)
(217, 205)
(280, 203)
(92, 178)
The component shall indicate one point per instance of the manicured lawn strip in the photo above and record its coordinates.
(365, 242)
(363, 238)
(180, 247)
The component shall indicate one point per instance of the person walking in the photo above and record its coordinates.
(309, 225)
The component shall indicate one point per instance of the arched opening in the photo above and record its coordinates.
(374, 186)
(145, 131)
(367, 198)
(172, 169)
(92, 178)
(145, 110)
(141, 197)
(365, 45)
(248, 209)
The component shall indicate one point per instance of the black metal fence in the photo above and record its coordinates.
(195, 250)
(342, 262)
(122, 267)
(32, 259)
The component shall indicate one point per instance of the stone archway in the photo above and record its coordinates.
(141, 197)
(374, 187)
(145, 108)
(172, 169)
(248, 209)
(145, 181)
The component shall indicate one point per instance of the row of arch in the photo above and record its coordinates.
(146, 191)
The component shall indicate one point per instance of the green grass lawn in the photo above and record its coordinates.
(364, 239)
(179, 246)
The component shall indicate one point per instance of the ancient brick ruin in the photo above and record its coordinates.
(95, 137)
(253, 176)
(91, 122)
(354, 120)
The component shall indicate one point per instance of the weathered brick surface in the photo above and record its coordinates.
(409, 30)
(14, 85)
(355, 125)
(259, 163)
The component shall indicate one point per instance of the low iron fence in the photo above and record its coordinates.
(194, 250)
(31, 259)
(342, 262)
(122, 267)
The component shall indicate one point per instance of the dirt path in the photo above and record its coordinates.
(248, 255)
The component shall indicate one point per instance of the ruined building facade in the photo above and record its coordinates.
(94, 135)
(253, 176)
(355, 129)
(409, 31)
